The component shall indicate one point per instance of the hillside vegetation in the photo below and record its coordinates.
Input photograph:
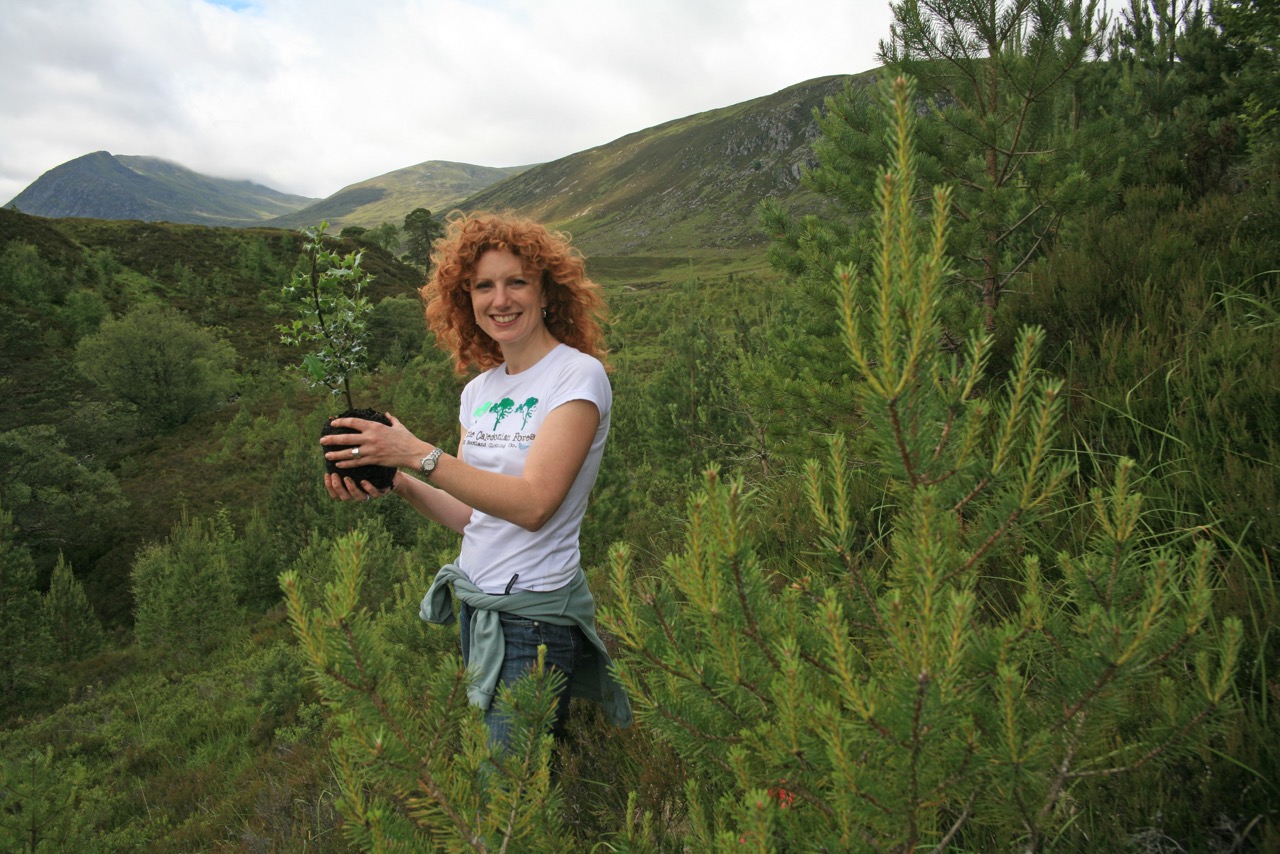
(687, 187)
(938, 513)
(436, 185)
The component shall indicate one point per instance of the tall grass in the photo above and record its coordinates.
(1171, 349)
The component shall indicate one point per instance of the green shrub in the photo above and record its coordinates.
(156, 360)
(40, 805)
(28, 279)
(414, 767)
(397, 331)
(55, 496)
(182, 590)
(935, 679)
(23, 633)
(74, 629)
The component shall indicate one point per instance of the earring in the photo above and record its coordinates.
(544, 312)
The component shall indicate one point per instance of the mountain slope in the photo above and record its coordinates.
(688, 187)
(436, 185)
(689, 184)
(106, 186)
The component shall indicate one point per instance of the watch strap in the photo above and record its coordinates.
(428, 463)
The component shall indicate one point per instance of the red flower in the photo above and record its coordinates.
(785, 799)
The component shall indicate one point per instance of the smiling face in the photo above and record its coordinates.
(507, 301)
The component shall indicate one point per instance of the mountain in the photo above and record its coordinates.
(436, 185)
(692, 183)
(689, 184)
(106, 186)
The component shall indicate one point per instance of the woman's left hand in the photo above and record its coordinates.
(374, 444)
(347, 489)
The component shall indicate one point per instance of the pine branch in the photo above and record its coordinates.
(991, 540)
(840, 657)
(843, 761)
(1094, 690)
(368, 689)
(943, 435)
(701, 735)
(1034, 251)
(904, 453)
(945, 842)
(913, 774)
(972, 494)
(690, 674)
(753, 627)
(1055, 786)
(1179, 735)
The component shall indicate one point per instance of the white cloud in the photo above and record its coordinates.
(308, 96)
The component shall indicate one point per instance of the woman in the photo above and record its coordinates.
(513, 300)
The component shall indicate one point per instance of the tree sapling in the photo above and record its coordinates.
(333, 324)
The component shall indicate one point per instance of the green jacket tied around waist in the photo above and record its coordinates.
(572, 604)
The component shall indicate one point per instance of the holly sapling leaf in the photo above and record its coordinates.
(314, 368)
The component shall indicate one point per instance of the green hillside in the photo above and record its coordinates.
(891, 558)
(685, 189)
(436, 185)
(225, 279)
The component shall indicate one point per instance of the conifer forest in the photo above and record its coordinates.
(946, 521)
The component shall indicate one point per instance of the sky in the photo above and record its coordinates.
(309, 96)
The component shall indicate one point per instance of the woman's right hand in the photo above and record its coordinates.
(374, 444)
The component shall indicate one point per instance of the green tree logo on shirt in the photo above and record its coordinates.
(528, 408)
(507, 406)
(501, 410)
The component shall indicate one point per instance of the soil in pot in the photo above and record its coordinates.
(380, 476)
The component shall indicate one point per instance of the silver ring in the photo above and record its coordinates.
(355, 452)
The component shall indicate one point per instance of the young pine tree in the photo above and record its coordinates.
(74, 629)
(183, 591)
(951, 667)
(255, 565)
(414, 766)
(1001, 80)
(1001, 85)
(23, 638)
(43, 804)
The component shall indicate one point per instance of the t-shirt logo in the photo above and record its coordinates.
(502, 408)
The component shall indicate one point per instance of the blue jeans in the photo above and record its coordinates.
(523, 637)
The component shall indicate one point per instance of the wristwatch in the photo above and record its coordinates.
(428, 463)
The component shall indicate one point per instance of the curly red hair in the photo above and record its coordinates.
(575, 306)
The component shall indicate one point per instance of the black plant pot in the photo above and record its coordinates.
(380, 476)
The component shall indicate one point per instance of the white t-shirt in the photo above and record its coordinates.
(501, 415)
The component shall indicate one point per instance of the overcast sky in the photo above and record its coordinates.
(308, 96)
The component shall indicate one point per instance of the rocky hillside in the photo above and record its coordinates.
(692, 183)
(107, 186)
